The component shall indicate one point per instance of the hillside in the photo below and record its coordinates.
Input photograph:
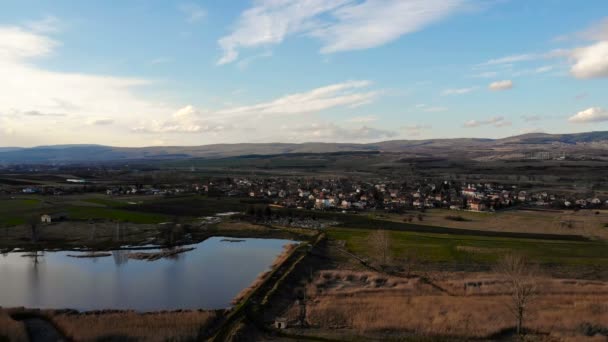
(590, 144)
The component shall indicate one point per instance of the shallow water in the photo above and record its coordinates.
(208, 277)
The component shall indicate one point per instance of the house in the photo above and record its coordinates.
(49, 218)
(477, 205)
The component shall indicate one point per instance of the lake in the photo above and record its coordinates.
(208, 277)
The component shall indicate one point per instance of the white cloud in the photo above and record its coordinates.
(17, 44)
(511, 59)
(497, 121)
(333, 132)
(362, 119)
(194, 13)
(590, 115)
(39, 97)
(185, 120)
(48, 24)
(486, 74)
(38, 113)
(193, 120)
(458, 91)
(376, 22)
(508, 61)
(590, 61)
(100, 122)
(501, 85)
(342, 25)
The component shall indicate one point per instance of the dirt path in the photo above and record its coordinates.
(41, 330)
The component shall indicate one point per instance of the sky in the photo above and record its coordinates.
(155, 72)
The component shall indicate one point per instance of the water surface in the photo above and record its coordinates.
(208, 277)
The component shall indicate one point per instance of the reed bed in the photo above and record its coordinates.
(128, 326)
(11, 330)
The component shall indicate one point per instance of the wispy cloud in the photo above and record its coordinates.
(41, 96)
(194, 13)
(501, 85)
(100, 121)
(348, 94)
(48, 24)
(458, 91)
(334, 22)
(497, 121)
(185, 120)
(333, 132)
(416, 130)
(533, 117)
(363, 119)
(193, 120)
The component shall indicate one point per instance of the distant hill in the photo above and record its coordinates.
(480, 149)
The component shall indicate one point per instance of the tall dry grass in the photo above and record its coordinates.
(354, 300)
(163, 326)
(10, 329)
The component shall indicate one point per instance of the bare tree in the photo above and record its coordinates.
(410, 261)
(380, 243)
(520, 283)
(33, 222)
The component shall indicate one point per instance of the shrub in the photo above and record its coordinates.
(456, 218)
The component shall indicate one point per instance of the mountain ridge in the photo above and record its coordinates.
(102, 153)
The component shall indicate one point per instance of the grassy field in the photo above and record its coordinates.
(584, 222)
(190, 206)
(16, 211)
(466, 249)
(86, 213)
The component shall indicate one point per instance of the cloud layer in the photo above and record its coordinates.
(341, 25)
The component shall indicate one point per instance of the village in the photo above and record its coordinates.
(344, 194)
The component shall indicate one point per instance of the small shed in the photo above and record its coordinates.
(50, 218)
(280, 323)
(46, 218)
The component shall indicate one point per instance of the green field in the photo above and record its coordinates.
(449, 248)
(86, 207)
(16, 211)
(86, 213)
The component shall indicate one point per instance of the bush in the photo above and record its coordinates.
(456, 218)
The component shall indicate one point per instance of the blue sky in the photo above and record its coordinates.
(142, 72)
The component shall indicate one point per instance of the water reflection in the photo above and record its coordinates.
(207, 277)
(121, 257)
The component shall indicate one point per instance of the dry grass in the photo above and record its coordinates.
(10, 329)
(583, 222)
(350, 300)
(262, 276)
(165, 326)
